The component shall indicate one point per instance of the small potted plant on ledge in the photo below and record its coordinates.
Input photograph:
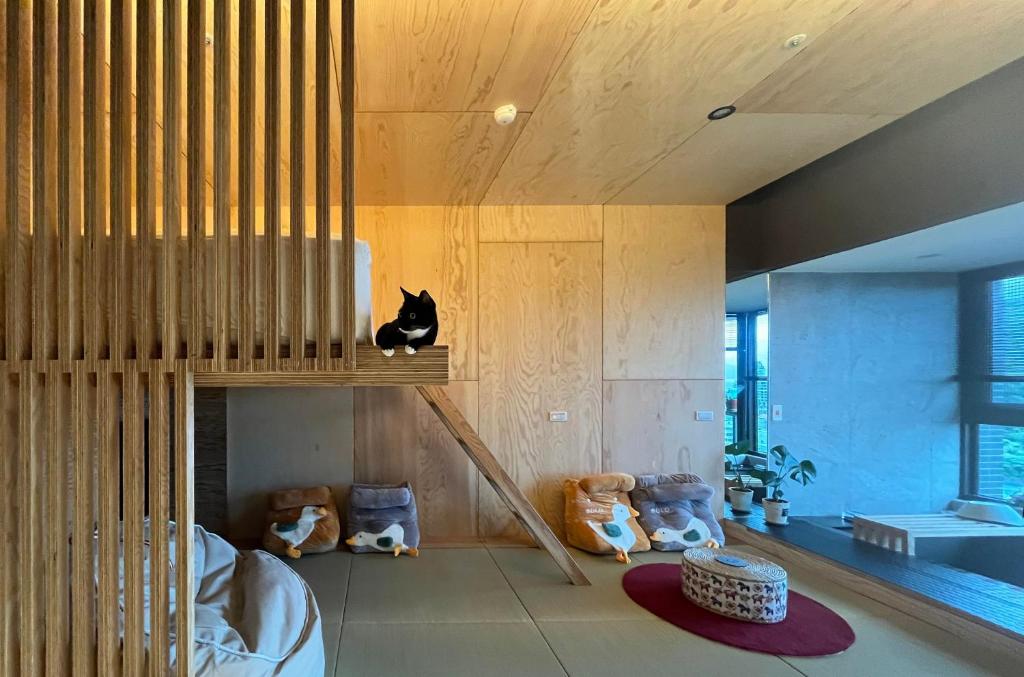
(776, 508)
(740, 495)
(732, 396)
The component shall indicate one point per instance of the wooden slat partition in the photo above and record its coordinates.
(58, 400)
(69, 178)
(348, 175)
(30, 547)
(145, 179)
(159, 513)
(16, 269)
(8, 524)
(120, 174)
(133, 491)
(184, 505)
(323, 182)
(109, 519)
(83, 618)
(94, 185)
(172, 196)
(43, 166)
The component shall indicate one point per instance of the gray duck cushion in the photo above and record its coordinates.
(675, 511)
(375, 509)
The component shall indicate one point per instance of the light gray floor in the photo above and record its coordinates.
(508, 611)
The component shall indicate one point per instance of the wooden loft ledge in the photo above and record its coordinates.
(429, 366)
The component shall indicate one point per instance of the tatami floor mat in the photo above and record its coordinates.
(445, 650)
(327, 575)
(441, 585)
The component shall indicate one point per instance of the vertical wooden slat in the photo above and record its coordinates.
(69, 176)
(272, 175)
(184, 445)
(172, 197)
(57, 531)
(196, 97)
(8, 526)
(297, 224)
(348, 216)
(5, 223)
(31, 455)
(15, 266)
(246, 217)
(145, 178)
(120, 174)
(133, 488)
(43, 178)
(323, 183)
(222, 177)
(159, 507)
(94, 185)
(83, 622)
(109, 519)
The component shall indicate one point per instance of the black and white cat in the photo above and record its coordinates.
(415, 326)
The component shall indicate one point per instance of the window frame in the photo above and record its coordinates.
(746, 375)
(975, 374)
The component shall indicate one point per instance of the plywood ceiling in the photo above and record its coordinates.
(614, 94)
(619, 90)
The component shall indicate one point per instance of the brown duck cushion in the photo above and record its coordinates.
(591, 499)
(286, 506)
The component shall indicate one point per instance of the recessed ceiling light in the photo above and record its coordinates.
(796, 40)
(721, 112)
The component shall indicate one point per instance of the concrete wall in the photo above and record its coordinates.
(863, 365)
(280, 438)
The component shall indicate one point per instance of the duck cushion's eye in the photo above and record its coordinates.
(412, 316)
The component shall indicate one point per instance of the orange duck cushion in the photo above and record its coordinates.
(592, 521)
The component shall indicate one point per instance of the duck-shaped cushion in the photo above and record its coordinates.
(696, 534)
(295, 534)
(389, 540)
(617, 533)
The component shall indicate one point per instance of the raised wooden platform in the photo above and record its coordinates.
(900, 533)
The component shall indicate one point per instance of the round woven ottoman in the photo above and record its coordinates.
(735, 584)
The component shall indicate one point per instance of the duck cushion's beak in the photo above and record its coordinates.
(350, 541)
(633, 512)
(321, 511)
(656, 537)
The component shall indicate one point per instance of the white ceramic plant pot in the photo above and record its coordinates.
(740, 499)
(776, 512)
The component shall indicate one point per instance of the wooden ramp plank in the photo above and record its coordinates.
(488, 465)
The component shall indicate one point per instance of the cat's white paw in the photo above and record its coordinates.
(409, 350)
(388, 352)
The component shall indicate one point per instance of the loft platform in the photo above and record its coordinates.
(429, 366)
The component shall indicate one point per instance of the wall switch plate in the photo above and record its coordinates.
(776, 412)
(704, 415)
(558, 416)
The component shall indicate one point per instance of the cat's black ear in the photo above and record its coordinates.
(407, 294)
(425, 297)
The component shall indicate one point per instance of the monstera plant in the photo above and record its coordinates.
(788, 467)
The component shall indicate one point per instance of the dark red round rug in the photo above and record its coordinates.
(810, 628)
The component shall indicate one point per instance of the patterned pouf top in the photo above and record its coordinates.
(735, 584)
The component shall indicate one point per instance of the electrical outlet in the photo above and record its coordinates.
(704, 415)
(776, 412)
(558, 416)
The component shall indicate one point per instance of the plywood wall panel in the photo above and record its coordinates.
(540, 351)
(650, 427)
(664, 292)
(398, 437)
(541, 223)
(432, 248)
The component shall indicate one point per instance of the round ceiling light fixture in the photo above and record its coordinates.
(721, 113)
(505, 115)
(796, 40)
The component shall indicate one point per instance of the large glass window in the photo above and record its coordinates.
(992, 371)
(746, 379)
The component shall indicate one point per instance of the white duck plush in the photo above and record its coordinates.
(617, 533)
(695, 535)
(389, 540)
(296, 533)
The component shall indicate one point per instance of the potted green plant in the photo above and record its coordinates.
(740, 495)
(732, 396)
(776, 508)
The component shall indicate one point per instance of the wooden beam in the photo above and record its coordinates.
(133, 487)
(16, 269)
(94, 184)
(108, 609)
(503, 485)
(184, 507)
(159, 513)
(348, 186)
(246, 183)
(57, 532)
(196, 98)
(69, 178)
(145, 180)
(172, 195)
(120, 175)
(29, 506)
(272, 177)
(222, 178)
(323, 183)
(8, 526)
(297, 225)
(43, 195)
(83, 619)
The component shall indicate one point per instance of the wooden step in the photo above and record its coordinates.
(488, 465)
